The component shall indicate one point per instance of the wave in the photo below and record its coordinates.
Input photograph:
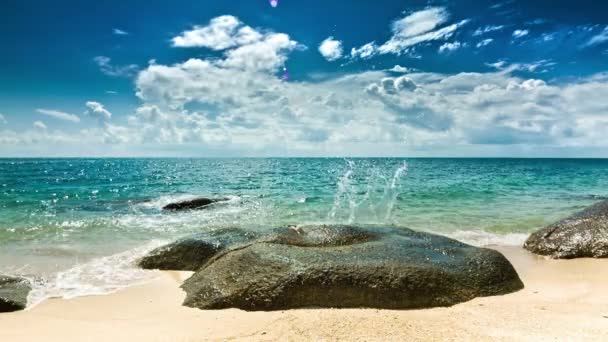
(97, 277)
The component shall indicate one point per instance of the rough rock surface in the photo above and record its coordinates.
(197, 203)
(584, 234)
(189, 254)
(345, 267)
(13, 293)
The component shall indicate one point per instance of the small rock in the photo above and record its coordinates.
(197, 203)
(13, 293)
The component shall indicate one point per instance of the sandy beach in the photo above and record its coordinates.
(562, 300)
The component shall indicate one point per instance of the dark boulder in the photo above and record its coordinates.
(197, 203)
(190, 253)
(346, 267)
(13, 293)
(584, 234)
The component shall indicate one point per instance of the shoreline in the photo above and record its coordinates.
(562, 299)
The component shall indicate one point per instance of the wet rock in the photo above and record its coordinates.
(197, 203)
(190, 253)
(584, 234)
(346, 267)
(13, 293)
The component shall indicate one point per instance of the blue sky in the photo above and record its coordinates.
(304, 78)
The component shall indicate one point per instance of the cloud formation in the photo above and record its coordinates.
(59, 115)
(108, 69)
(120, 32)
(598, 38)
(484, 42)
(331, 49)
(98, 111)
(416, 28)
(520, 33)
(450, 47)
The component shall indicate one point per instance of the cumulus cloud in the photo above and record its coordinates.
(58, 115)
(415, 28)
(520, 33)
(364, 52)
(107, 68)
(331, 49)
(236, 107)
(221, 33)
(450, 47)
(484, 42)
(244, 47)
(598, 38)
(98, 111)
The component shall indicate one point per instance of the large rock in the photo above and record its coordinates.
(346, 267)
(190, 253)
(584, 234)
(197, 203)
(13, 293)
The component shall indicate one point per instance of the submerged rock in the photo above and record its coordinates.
(13, 293)
(189, 254)
(584, 234)
(197, 203)
(346, 267)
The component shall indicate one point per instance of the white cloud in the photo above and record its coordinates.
(364, 52)
(400, 69)
(415, 28)
(2, 119)
(520, 33)
(485, 42)
(245, 48)
(221, 33)
(598, 38)
(265, 55)
(58, 114)
(331, 49)
(119, 32)
(487, 29)
(420, 22)
(538, 66)
(450, 47)
(226, 106)
(40, 125)
(107, 68)
(98, 111)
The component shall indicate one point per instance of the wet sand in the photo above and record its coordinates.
(562, 300)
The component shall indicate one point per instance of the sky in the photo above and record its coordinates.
(258, 78)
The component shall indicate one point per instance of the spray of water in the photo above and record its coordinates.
(349, 197)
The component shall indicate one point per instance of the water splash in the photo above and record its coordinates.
(392, 191)
(349, 195)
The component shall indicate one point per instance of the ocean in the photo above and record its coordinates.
(75, 226)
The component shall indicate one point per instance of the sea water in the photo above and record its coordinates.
(75, 226)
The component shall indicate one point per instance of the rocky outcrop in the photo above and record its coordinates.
(13, 293)
(345, 267)
(197, 203)
(584, 234)
(190, 253)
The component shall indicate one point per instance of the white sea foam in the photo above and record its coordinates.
(97, 277)
(482, 238)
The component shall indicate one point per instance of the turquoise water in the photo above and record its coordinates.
(76, 225)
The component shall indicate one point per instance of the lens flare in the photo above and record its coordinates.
(285, 74)
(274, 3)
